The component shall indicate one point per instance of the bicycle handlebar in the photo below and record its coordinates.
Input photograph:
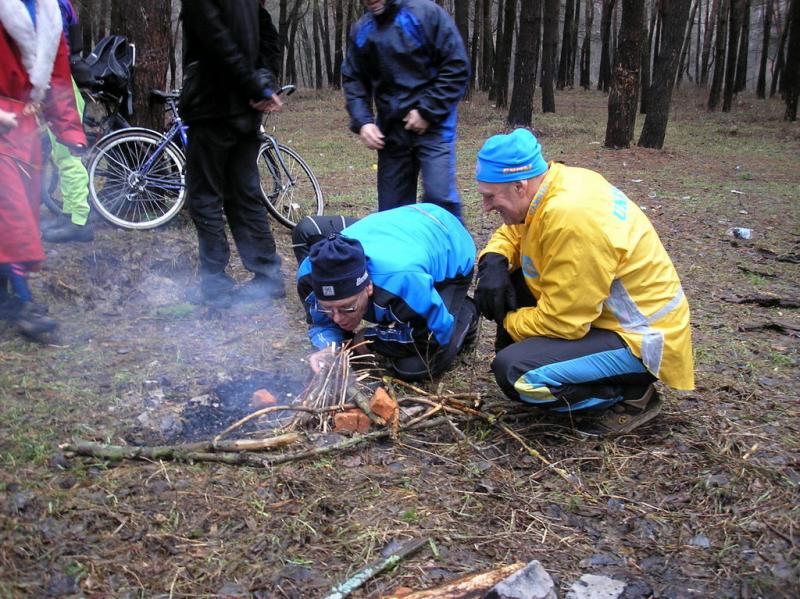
(287, 89)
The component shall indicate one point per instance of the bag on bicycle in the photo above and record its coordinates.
(111, 62)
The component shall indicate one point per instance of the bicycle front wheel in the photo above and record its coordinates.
(136, 179)
(289, 186)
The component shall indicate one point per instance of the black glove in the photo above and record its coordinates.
(494, 294)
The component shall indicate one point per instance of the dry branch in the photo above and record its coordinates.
(376, 567)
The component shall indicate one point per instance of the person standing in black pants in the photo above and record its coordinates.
(232, 53)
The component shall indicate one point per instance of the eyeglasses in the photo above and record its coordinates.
(344, 310)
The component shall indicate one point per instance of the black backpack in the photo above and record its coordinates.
(111, 63)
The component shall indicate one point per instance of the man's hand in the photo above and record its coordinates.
(77, 150)
(320, 359)
(494, 295)
(371, 136)
(415, 123)
(271, 104)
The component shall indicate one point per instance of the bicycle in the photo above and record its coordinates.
(137, 179)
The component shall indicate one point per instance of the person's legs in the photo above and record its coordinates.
(312, 229)
(424, 364)
(592, 373)
(73, 178)
(398, 171)
(31, 318)
(206, 157)
(249, 220)
(436, 155)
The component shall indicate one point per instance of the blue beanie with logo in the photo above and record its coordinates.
(512, 157)
(338, 267)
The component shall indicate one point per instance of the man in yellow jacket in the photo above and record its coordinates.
(589, 308)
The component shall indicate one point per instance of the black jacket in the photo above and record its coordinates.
(231, 54)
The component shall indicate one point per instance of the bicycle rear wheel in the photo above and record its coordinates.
(136, 178)
(289, 186)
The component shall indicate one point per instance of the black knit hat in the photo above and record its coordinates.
(338, 267)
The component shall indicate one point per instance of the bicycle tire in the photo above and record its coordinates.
(128, 197)
(291, 194)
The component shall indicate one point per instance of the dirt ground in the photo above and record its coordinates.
(703, 502)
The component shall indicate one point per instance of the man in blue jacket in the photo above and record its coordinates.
(405, 270)
(408, 58)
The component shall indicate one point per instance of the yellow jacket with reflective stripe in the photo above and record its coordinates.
(591, 258)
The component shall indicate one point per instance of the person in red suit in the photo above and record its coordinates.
(35, 87)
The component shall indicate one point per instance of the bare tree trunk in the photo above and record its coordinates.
(791, 77)
(488, 47)
(283, 32)
(604, 77)
(504, 54)
(317, 34)
(624, 95)
(326, 42)
(525, 64)
(566, 45)
(338, 19)
(687, 44)
(697, 40)
(734, 29)
(498, 45)
(719, 55)
(549, 45)
(777, 69)
(647, 48)
(573, 58)
(586, 47)
(744, 49)
(474, 57)
(711, 19)
(150, 31)
(761, 86)
(674, 15)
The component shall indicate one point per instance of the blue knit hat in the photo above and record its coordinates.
(512, 157)
(338, 267)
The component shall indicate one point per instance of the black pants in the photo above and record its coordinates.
(222, 182)
(566, 375)
(411, 362)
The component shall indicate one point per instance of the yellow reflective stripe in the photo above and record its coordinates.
(532, 393)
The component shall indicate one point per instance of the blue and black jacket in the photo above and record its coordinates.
(410, 56)
(411, 252)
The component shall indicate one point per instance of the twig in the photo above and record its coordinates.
(272, 409)
(372, 569)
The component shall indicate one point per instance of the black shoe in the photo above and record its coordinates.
(53, 223)
(261, 287)
(216, 291)
(32, 320)
(67, 232)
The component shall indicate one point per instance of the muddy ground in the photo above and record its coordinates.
(703, 502)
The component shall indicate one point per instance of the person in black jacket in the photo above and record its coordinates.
(408, 57)
(231, 54)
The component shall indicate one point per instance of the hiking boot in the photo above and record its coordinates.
(216, 291)
(68, 231)
(623, 417)
(261, 287)
(32, 320)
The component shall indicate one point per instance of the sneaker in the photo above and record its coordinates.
(68, 231)
(624, 417)
(32, 320)
(261, 287)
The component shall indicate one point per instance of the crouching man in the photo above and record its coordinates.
(405, 270)
(589, 308)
